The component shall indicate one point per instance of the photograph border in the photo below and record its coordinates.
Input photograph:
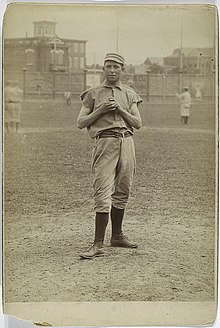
(126, 313)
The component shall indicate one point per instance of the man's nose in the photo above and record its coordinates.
(112, 69)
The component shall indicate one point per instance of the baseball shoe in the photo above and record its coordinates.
(94, 251)
(121, 240)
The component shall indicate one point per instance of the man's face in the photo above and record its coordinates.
(112, 71)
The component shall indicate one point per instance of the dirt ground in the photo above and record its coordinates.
(49, 221)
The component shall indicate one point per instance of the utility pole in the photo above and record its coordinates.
(181, 45)
(117, 32)
(181, 58)
(148, 86)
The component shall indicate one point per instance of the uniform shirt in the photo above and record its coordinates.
(185, 98)
(93, 97)
(67, 94)
(13, 94)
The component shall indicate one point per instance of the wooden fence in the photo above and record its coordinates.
(153, 88)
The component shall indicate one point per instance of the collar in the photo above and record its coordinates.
(118, 85)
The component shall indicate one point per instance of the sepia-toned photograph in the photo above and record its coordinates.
(110, 189)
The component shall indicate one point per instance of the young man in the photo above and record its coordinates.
(110, 112)
(185, 100)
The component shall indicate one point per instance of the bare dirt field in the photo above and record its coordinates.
(49, 221)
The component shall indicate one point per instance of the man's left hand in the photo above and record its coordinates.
(115, 103)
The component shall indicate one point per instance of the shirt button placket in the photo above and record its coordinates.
(115, 116)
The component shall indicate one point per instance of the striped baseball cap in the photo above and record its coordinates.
(115, 57)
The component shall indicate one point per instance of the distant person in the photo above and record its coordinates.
(67, 96)
(13, 95)
(110, 113)
(185, 101)
(198, 95)
(38, 87)
(131, 84)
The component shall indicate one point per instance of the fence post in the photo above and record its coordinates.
(180, 81)
(24, 82)
(164, 86)
(84, 78)
(148, 82)
(54, 83)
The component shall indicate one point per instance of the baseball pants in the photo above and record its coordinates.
(12, 112)
(113, 168)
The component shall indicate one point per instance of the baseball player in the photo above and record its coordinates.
(13, 99)
(185, 100)
(67, 96)
(110, 113)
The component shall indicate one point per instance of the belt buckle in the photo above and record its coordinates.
(119, 134)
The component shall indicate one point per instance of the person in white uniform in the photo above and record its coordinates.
(185, 101)
(13, 98)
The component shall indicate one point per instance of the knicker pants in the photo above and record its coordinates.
(184, 110)
(113, 167)
(12, 112)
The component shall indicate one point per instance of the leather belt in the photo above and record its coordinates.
(114, 134)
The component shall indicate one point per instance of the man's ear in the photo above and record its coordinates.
(123, 68)
(103, 68)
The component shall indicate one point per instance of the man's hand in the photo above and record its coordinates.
(107, 105)
(87, 117)
(115, 103)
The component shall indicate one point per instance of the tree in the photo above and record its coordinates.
(156, 69)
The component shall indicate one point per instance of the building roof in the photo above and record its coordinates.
(48, 38)
(44, 36)
(194, 52)
(154, 60)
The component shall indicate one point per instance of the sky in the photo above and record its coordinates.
(143, 30)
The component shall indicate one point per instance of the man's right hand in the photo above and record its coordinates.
(107, 105)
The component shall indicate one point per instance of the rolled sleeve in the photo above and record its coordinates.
(88, 99)
(136, 99)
